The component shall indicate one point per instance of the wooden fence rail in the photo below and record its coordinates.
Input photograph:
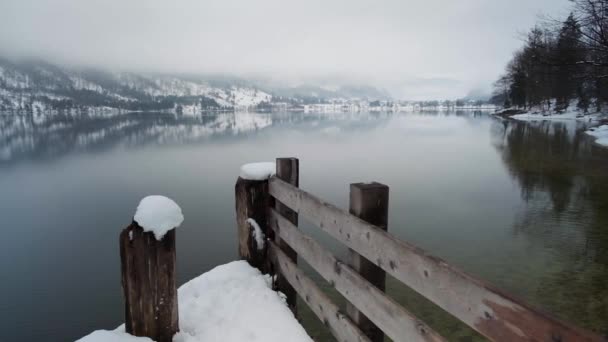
(328, 312)
(484, 308)
(395, 321)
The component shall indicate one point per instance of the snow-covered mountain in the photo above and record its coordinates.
(36, 86)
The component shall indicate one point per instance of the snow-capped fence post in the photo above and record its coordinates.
(288, 170)
(368, 202)
(147, 253)
(252, 200)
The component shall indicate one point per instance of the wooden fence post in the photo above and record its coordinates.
(369, 202)
(288, 170)
(252, 201)
(148, 282)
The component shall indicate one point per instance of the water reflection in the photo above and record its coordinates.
(521, 205)
(563, 178)
(29, 137)
(22, 136)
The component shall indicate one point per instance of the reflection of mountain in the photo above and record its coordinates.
(564, 181)
(21, 136)
(26, 136)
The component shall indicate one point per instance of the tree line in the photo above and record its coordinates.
(561, 62)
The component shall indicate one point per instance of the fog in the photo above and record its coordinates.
(414, 49)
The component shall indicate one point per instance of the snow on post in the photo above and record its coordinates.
(158, 214)
(258, 171)
(148, 258)
(257, 234)
(252, 201)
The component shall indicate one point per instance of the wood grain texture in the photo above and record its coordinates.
(288, 170)
(369, 202)
(148, 281)
(486, 309)
(252, 201)
(395, 321)
(343, 329)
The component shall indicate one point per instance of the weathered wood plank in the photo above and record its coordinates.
(329, 313)
(148, 281)
(486, 309)
(288, 170)
(369, 202)
(252, 201)
(395, 321)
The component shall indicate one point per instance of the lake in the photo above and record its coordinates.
(522, 205)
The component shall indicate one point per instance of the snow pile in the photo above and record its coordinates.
(600, 133)
(230, 303)
(235, 302)
(572, 112)
(258, 234)
(258, 171)
(158, 214)
(569, 115)
(112, 336)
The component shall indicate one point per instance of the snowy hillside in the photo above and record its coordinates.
(36, 86)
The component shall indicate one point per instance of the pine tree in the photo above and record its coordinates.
(568, 53)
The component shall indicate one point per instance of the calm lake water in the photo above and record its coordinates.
(522, 205)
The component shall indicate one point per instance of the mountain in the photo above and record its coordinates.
(478, 94)
(38, 86)
(309, 91)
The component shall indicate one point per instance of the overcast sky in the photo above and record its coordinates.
(417, 49)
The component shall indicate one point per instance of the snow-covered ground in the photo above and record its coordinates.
(572, 112)
(600, 133)
(231, 303)
(572, 117)
(567, 115)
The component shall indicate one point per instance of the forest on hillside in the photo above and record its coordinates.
(562, 62)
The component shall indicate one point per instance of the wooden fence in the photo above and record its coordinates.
(275, 205)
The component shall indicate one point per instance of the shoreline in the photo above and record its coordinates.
(599, 120)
